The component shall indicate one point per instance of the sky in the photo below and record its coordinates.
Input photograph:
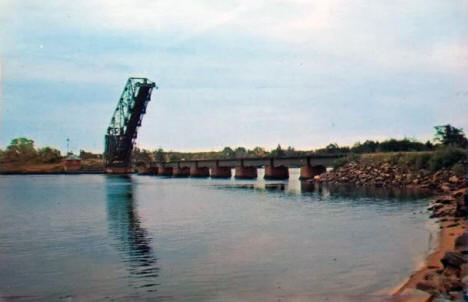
(234, 73)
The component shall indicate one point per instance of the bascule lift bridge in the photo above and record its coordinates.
(122, 133)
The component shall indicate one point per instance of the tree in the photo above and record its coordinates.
(449, 135)
(49, 155)
(240, 152)
(278, 151)
(141, 157)
(259, 152)
(227, 152)
(429, 145)
(368, 146)
(159, 155)
(20, 149)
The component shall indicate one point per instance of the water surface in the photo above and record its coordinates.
(141, 238)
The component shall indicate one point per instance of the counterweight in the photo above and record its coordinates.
(122, 131)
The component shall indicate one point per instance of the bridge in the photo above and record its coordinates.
(245, 168)
(122, 133)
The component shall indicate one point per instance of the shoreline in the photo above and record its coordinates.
(446, 237)
(443, 272)
(434, 266)
(51, 173)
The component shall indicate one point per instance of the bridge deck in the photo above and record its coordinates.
(291, 162)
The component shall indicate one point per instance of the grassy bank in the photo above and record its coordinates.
(452, 158)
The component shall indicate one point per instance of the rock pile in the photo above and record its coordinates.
(448, 279)
(392, 175)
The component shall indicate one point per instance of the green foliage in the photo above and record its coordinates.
(49, 155)
(21, 150)
(279, 152)
(405, 145)
(240, 152)
(449, 135)
(333, 149)
(258, 152)
(391, 145)
(228, 152)
(368, 146)
(141, 157)
(446, 157)
(159, 155)
(412, 160)
(459, 169)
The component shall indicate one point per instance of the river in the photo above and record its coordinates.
(146, 238)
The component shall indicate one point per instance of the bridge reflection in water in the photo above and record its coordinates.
(333, 191)
(131, 239)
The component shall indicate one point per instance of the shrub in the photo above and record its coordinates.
(446, 157)
(459, 169)
(416, 160)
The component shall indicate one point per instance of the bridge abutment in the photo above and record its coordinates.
(199, 171)
(221, 172)
(246, 172)
(309, 172)
(280, 172)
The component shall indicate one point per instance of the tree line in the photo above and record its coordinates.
(23, 150)
(445, 135)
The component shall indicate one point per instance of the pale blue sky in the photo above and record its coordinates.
(231, 73)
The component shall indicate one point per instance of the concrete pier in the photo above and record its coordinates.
(221, 172)
(165, 171)
(280, 172)
(199, 171)
(246, 172)
(309, 172)
(181, 172)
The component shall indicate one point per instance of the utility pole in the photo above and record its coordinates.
(68, 146)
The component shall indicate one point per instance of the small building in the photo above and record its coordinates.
(72, 163)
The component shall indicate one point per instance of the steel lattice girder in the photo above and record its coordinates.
(128, 114)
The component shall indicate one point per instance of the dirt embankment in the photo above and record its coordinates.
(444, 273)
(87, 166)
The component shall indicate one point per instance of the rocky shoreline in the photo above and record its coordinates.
(444, 273)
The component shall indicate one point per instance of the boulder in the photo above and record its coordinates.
(453, 259)
(460, 209)
(445, 187)
(452, 284)
(459, 193)
(445, 199)
(427, 286)
(462, 241)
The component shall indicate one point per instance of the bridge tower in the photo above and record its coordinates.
(122, 131)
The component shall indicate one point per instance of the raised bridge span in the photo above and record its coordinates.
(245, 168)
